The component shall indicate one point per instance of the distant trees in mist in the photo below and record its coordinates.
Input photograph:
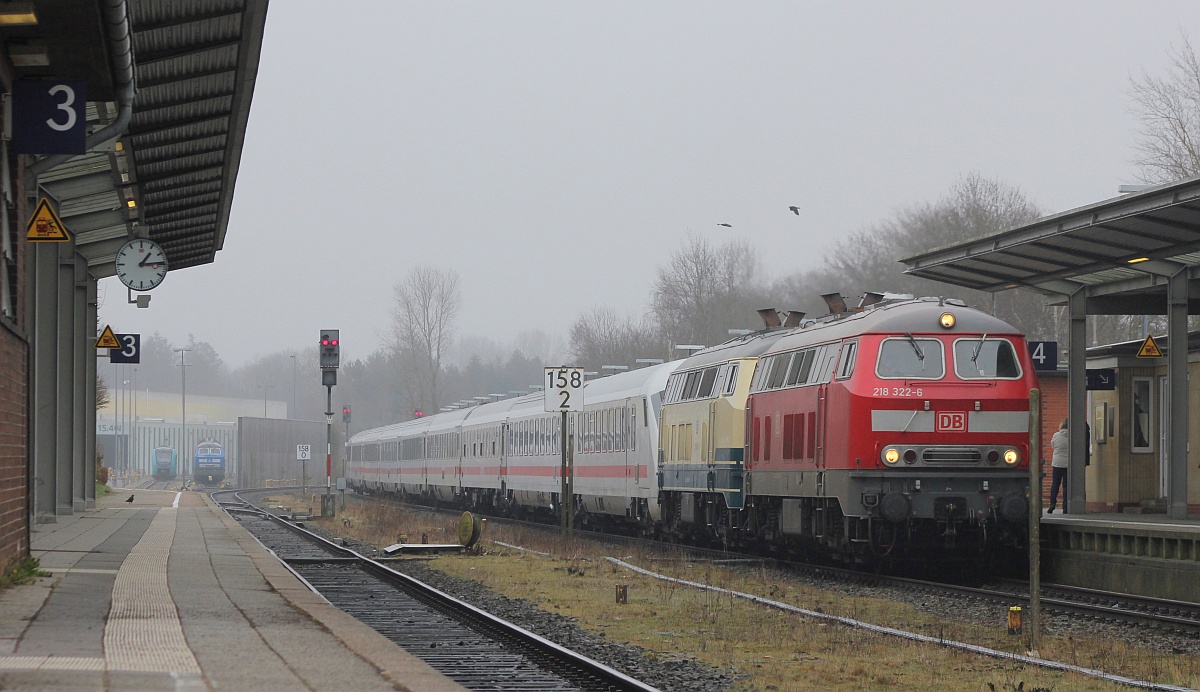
(698, 293)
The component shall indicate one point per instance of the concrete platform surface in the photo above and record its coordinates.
(170, 593)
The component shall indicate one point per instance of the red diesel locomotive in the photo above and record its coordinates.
(899, 429)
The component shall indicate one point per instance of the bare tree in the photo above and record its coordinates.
(427, 302)
(602, 337)
(704, 290)
(1169, 110)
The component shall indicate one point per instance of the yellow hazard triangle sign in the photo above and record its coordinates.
(1149, 348)
(107, 339)
(45, 226)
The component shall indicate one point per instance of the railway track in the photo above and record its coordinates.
(1175, 616)
(468, 645)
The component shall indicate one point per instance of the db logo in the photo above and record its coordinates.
(950, 421)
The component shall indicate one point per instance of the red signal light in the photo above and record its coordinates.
(324, 342)
(335, 342)
(418, 414)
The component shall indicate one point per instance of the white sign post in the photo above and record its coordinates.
(564, 392)
(303, 454)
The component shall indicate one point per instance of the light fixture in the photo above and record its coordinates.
(946, 320)
(131, 203)
(17, 14)
(1135, 260)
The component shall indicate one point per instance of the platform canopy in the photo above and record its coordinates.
(1118, 251)
(170, 176)
(1133, 255)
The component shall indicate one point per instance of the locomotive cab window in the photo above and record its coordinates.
(731, 380)
(986, 359)
(907, 357)
(846, 362)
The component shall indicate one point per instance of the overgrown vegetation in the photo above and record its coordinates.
(23, 572)
(770, 649)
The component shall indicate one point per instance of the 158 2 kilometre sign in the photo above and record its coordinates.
(564, 389)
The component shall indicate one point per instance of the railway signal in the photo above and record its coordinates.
(346, 413)
(330, 351)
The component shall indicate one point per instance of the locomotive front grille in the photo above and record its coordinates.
(936, 456)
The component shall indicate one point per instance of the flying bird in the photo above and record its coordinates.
(726, 225)
(129, 499)
(795, 210)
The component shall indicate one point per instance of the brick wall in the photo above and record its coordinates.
(14, 404)
(1053, 386)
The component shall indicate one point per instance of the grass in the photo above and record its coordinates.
(768, 648)
(23, 572)
(103, 489)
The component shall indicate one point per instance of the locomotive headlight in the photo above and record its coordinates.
(947, 320)
(891, 456)
(1011, 457)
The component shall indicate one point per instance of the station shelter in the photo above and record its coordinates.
(1138, 254)
(124, 125)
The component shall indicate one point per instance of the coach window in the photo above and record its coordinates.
(731, 380)
(986, 359)
(907, 357)
(793, 373)
(1143, 412)
(693, 383)
(846, 367)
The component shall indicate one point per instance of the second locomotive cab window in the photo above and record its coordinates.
(986, 359)
(907, 357)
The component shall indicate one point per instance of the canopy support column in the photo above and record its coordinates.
(1177, 378)
(1077, 403)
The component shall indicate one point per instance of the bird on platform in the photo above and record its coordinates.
(795, 210)
(129, 499)
(726, 225)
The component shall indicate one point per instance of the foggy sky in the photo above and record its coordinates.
(555, 153)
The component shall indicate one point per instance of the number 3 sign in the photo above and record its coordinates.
(49, 117)
(564, 389)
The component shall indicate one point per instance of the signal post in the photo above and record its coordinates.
(330, 358)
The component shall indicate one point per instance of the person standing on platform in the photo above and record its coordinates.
(1060, 443)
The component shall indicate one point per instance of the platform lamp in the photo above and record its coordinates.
(649, 361)
(690, 348)
(615, 368)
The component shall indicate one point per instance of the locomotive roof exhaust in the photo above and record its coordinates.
(793, 318)
(770, 317)
(837, 304)
(870, 298)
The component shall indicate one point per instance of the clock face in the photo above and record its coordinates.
(141, 264)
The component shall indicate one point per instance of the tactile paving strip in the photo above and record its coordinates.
(143, 632)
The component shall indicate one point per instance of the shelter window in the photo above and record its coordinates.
(906, 357)
(1143, 413)
(986, 359)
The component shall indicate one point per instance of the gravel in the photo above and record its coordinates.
(668, 674)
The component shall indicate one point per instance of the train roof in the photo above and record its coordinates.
(640, 382)
(913, 316)
(749, 346)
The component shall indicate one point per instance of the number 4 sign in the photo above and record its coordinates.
(564, 389)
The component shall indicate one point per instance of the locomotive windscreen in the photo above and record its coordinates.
(988, 359)
(909, 357)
